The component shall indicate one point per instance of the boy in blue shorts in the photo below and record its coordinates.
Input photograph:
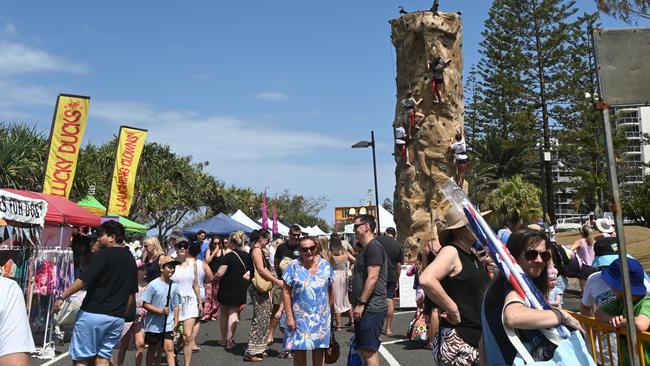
(160, 297)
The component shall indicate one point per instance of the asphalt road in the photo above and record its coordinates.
(395, 351)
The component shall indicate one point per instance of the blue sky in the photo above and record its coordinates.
(272, 93)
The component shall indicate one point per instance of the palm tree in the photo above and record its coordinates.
(22, 157)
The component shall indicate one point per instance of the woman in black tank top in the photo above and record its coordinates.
(455, 281)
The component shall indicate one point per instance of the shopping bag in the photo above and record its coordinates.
(354, 358)
(417, 331)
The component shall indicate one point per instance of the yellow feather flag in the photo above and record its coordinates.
(129, 149)
(68, 127)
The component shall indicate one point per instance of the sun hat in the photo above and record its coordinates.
(165, 260)
(552, 272)
(604, 226)
(455, 219)
(612, 276)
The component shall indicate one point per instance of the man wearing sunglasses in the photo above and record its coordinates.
(288, 249)
(368, 290)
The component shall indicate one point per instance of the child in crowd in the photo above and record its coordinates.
(555, 293)
(612, 312)
(160, 322)
(135, 330)
(283, 318)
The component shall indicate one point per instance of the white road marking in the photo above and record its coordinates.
(55, 359)
(395, 341)
(389, 358)
(404, 312)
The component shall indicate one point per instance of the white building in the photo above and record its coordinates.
(636, 123)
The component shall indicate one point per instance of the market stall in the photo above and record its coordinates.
(41, 225)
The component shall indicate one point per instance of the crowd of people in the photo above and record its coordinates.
(308, 286)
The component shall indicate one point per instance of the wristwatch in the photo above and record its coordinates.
(361, 302)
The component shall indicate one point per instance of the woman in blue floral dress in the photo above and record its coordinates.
(307, 297)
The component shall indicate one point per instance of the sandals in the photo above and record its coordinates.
(253, 358)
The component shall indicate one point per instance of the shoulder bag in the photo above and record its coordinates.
(261, 285)
(333, 352)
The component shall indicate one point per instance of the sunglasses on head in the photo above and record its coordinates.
(311, 249)
(532, 254)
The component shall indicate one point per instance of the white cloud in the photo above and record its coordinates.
(215, 138)
(272, 96)
(17, 58)
(8, 30)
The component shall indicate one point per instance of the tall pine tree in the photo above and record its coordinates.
(525, 52)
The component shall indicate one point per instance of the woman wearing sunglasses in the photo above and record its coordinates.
(503, 306)
(455, 281)
(307, 297)
(186, 277)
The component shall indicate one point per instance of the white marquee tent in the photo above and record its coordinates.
(386, 220)
(241, 217)
(282, 229)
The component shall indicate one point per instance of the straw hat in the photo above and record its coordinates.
(455, 219)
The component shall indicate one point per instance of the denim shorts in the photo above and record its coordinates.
(367, 331)
(95, 335)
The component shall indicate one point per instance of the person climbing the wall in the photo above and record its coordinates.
(401, 140)
(411, 114)
(460, 153)
(437, 68)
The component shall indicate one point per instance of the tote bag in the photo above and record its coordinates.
(571, 351)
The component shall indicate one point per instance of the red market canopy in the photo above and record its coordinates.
(61, 210)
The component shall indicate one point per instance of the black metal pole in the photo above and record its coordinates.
(374, 168)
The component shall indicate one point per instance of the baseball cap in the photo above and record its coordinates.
(612, 276)
(165, 259)
(605, 251)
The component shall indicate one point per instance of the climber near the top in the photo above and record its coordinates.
(437, 68)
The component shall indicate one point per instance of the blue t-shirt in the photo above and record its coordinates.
(204, 250)
(156, 295)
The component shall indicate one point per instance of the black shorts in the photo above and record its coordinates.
(461, 161)
(391, 290)
(155, 338)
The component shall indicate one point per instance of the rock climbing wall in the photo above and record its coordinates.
(418, 38)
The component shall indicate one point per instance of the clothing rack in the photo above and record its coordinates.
(53, 275)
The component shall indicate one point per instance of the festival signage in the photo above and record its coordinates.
(68, 126)
(14, 207)
(130, 143)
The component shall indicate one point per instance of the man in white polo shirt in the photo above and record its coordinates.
(15, 335)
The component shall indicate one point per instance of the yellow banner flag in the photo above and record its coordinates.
(68, 127)
(130, 143)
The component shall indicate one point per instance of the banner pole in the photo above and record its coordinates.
(110, 182)
(49, 144)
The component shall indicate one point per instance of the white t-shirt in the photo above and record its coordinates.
(15, 334)
(459, 149)
(598, 293)
(400, 133)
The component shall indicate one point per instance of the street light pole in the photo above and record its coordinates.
(374, 169)
(365, 144)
